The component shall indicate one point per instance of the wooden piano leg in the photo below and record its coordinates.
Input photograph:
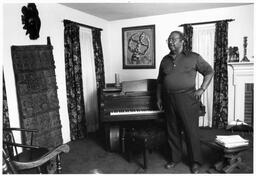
(107, 142)
(123, 140)
(145, 155)
(129, 155)
(145, 158)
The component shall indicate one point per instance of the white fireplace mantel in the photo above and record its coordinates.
(239, 73)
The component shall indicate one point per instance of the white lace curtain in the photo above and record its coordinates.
(89, 79)
(203, 43)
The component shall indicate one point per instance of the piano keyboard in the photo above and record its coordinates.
(140, 112)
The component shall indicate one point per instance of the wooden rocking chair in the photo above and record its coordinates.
(31, 157)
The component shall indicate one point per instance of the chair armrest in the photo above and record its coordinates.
(20, 129)
(48, 156)
(21, 145)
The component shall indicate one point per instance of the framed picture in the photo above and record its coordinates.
(138, 47)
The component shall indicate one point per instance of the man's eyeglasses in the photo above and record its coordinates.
(172, 40)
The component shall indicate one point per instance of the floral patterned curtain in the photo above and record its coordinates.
(220, 94)
(6, 121)
(99, 62)
(7, 135)
(188, 34)
(74, 81)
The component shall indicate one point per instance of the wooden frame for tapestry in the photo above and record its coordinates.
(138, 47)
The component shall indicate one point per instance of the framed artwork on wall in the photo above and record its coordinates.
(138, 47)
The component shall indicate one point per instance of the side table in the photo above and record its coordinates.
(231, 157)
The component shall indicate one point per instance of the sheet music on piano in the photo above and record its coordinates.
(144, 85)
(112, 90)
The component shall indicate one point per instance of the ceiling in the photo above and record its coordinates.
(118, 11)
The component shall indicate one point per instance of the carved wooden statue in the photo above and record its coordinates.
(31, 21)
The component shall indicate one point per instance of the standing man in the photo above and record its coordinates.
(176, 94)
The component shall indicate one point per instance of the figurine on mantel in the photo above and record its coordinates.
(245, 59)
(233, 54)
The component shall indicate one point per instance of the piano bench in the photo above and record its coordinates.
(144, 140)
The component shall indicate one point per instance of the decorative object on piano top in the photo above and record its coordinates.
(111, 87)
(233, 54)
(245, 59)
(117, 80)
(138, 47)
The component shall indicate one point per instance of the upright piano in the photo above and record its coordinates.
(133, 103)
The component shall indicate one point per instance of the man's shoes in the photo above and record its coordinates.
(195, 168)
(170, 165)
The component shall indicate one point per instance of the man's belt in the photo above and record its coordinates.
(180, 91)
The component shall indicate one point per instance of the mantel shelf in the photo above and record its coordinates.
(241, 63)
(241, 66)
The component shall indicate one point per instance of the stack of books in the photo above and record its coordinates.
(231, 141)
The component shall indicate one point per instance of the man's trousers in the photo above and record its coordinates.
(182, 114)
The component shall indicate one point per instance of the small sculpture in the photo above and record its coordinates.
(31, 20)
(117, 80)
(233, 54)
(245, 59)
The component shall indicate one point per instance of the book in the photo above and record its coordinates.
(234, 145)
(231, 141)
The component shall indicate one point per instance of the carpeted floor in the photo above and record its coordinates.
(89, 156)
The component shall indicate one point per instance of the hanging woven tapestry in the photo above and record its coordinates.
(36, 87)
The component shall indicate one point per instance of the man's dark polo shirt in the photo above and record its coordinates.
(179, 74)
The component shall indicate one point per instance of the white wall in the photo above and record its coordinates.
(51, 25)
(164, 24)
(51, 16)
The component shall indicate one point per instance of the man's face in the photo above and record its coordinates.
(175, 42)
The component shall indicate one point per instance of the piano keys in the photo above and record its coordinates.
(135, 112)
(135, 101)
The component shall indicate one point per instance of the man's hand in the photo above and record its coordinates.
(198, 93)
(160, 104)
